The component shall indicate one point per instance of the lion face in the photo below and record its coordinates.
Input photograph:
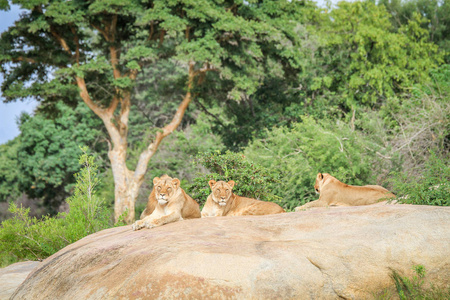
(165, 187)
(318, 184)
(221, 191)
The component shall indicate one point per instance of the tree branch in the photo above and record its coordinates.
(60, 40)
(205, 110)
(101, 31)
(27, 59)
(105, 115)
(146, 155)
(77, 44)
(115, 56)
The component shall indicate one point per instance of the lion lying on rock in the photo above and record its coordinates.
(223, 202)
(335, 193)
(167, 203)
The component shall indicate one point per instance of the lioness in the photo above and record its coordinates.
(223, 202)
(167, 203)
(335, 193)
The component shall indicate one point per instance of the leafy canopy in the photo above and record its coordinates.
(55, 42)
(364, 59)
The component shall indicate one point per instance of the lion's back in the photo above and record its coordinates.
(359, 195)
(247, 206)
(191, 209)
(151, 205)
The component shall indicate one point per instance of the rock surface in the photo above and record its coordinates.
(343, 252)
(13, 275)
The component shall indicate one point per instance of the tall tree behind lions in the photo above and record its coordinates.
(94, 51)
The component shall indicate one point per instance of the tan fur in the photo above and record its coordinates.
(223, 202)
(335, 193)
(167, 203)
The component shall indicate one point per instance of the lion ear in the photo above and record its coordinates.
(211, 183)
(320, 176)
(155, 180)
(176, 182)
(231, 183)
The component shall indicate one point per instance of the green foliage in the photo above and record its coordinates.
(351, 58)
(243, 42)
(430, 188)
(435, 12)
(415, 287)
(23, 237)
(9, 173)
(251, 180)
(308, 148)
(48, 151)
(406, 128)
(362, 59)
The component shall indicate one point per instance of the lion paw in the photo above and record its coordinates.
(137, 225)
(149, 225)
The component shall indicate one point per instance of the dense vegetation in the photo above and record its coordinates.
(273, 92)
(23, 237)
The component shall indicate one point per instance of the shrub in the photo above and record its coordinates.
(311, 146)
(431, 188)
(252, 180)
(23, 237)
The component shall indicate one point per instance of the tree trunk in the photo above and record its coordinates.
(125, 192)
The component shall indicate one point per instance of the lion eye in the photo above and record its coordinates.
(169, 189)
(158, 188)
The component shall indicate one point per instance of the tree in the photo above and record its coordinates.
(48, 152)
(436, 14)
(9, 174)
(352, 59)
(362, 59)
(97, 49)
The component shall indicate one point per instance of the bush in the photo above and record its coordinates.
(311, 146)
(26, 238)
(431, 188)
(252, 180)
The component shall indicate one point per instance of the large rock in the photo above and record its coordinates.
(13, 275)
(345, 252)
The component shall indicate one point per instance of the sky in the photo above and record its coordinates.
(10, 112)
